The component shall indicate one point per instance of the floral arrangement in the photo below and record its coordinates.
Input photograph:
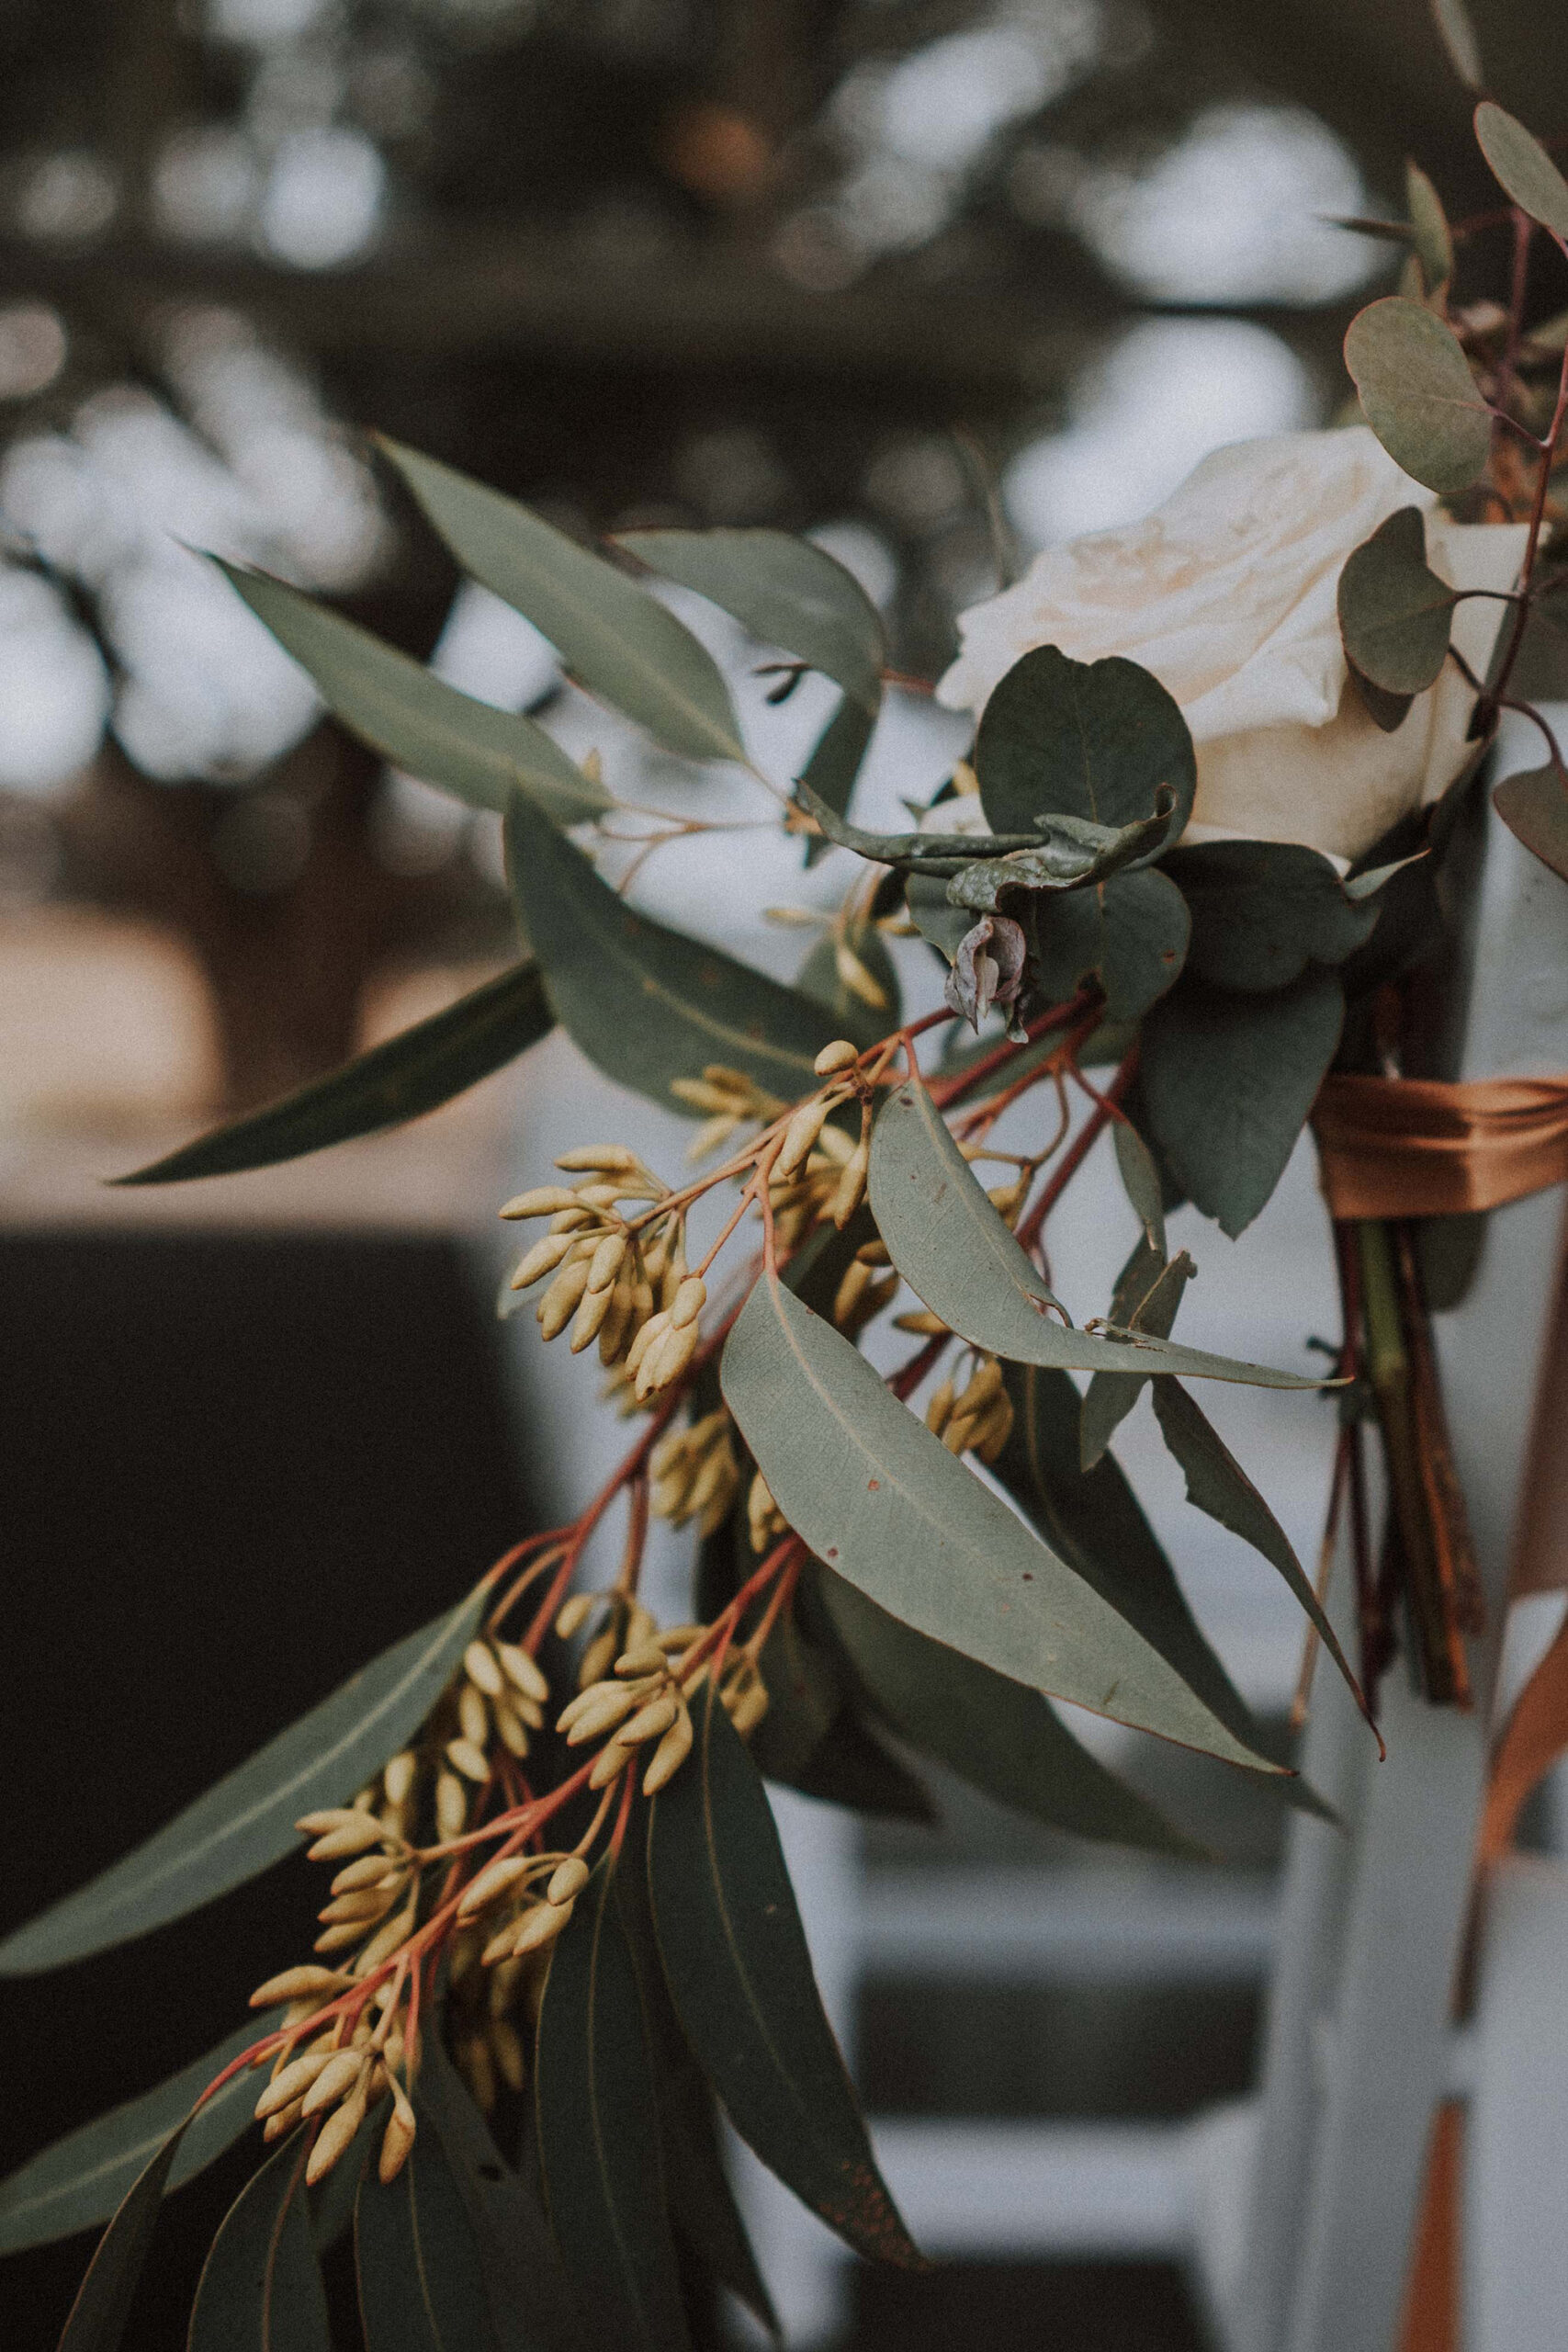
(1182, 881)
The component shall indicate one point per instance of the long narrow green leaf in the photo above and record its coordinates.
(261, 2287)
(950, 1246)
(247, 1821)
(620, 642)
(599, 2135)
(785, 591)
(881, 1501)
(995, 1733)
(530, 2307)
(421, 2280)
(104, 2299)
(1217, 1485)
(405, 711)
(80, 2179)
(414, 1072)
(740, 1975)
(648, 1005)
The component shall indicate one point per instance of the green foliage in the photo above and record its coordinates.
(822, 977)
(786, 592)
(883, 1502)
(1522, 168)
(80, 2179)
(412, 717)
(829, 775)
(1228, 1080)
(1417, 392)
(599, 2139)
(103, 2302)
(616, 641)
(1264, 911)
(994, 1732)
(261, 2287)
(1456, 34)
(1147, 1294)
(645, 1004)
(414, 1072)
(1430, 228)
(1130, 934)
(1217, 1484)
(1394, 612)
(1534, 806)
(247, 1821)
(1095, 740)
(739, 1976)
(950, 1246)
(422, 2286)
(1073, 854)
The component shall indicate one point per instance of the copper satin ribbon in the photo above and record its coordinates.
(1416, 1146)
(1412, 1147)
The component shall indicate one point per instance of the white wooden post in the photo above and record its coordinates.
(1359, 2042)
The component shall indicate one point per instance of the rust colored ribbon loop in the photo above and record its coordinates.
(1418, 1146)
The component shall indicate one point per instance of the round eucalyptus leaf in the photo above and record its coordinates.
(1394, 612)
(1095, 740)
(1417, 392)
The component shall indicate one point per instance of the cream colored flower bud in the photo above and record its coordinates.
(292, 2082)
(492, 1883)
(522, 1671)
(607, 1261)
(710, 1136)
(510, 1728)
(499, 1947)
(856, 1281)
(702, 1096)
(938, 1410)
(339, 1844)
(591, 1314)
(997, 1429)
(652, 1330)
(572, 1614)
(651, 1721)
(840, 1055)
(385, 1941)
(545, 1200)
(335, 2080)
(600, 1196)
(539, 1927)
(616, 1329)
(598, 1658)
(921, 1323)
(985, 1382)
(873, 1253)
(305, 1984)
(609, 1764)
(568, 1879)
(277, 2125)
(689, 1302)
(334, 2139)
(364, 1903)
(483, 1668)
(611, 1702)
(466, 1757)
(330, 1817)
(559, 1303)
(477, 2069)
(451, 1805)
(398, 1778)
(851, 1183)
(507, 2050)
(541, 1259)
(473, 1715)
(339, 1937)
(669, 1755)
(647, 1659)
(799, 1136)
(747, 1709)
(398, 2137)
(665, 1361)
(575, 1220)
(852, 975)
(604, 1159)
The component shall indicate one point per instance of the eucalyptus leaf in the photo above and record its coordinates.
(944, 854)
(1073, 854)
(1130, 934)
(1387, 711)
(247, 1821)
(1265, 911)
(1534, 806)
(739, 1976)
(1430, 225)
(1394, 612)
(1217, 1485)
(261, 2285)
(1456, 34)
(414, 1072)
(1228, 1082)
(529, 2303)
(421, 2284)
(1522, 168)
(599, 2134)
(829, 774)
(1140, 1182)
(330, 2202)
(940, 924)
(883, 1502)
(80, 2179)
(648, 1005)
(950, 1246)
(995, 1733)
(850, 1767)
(785, 591)
(620, 642)
(1417, 392)
(97, 2317)
(1076, 739)
(1146, 1299)
(412, 717)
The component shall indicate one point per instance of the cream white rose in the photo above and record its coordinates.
(1228, 592)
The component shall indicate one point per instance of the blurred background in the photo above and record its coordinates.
(941, 281)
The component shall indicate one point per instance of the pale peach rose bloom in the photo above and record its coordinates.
(1227, 594)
